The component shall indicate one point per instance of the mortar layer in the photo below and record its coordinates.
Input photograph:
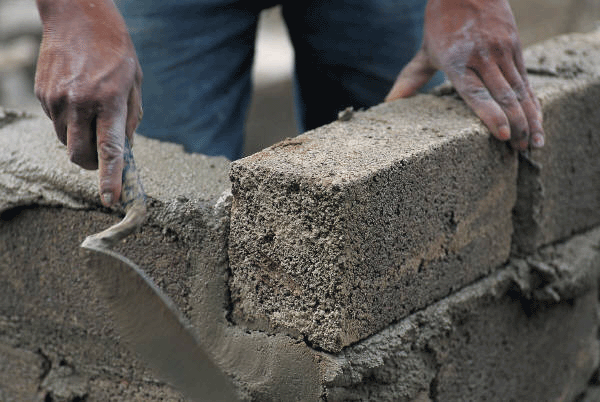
(34, 168)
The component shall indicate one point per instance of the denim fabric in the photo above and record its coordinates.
(197, 56)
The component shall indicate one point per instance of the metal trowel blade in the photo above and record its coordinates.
(148, 321)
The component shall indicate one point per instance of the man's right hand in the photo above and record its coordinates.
(88, 80)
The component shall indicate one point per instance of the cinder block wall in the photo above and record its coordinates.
(401, 255)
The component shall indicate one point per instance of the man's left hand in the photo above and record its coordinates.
(476, 43)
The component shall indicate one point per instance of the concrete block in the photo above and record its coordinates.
(341, 231)
(345, 229)
(559, 185)
(494, 340)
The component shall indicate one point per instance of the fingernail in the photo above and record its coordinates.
(537, 140)
(504, 133)
(107, 198)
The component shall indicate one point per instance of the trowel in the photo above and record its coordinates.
(145, 318)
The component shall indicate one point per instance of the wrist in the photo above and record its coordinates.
(61, 10)
(47, 8)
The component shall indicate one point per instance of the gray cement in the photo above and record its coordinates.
(55, 332)
(355, 262)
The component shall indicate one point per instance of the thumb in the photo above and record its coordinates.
(412, 77)
(110, 133)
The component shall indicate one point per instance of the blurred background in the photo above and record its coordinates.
(271, 115)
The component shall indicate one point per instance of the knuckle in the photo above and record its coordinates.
(520, 91)
(109, 150)
(55, 99)
(502, 47)
(498, 48)
(110, 97)
(513, 41)
(483, 53)
(80, 98)
(476, 93)
(506, 99)
(76, 98)
(109, 92)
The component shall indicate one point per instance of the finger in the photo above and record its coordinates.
(509, 98)
(43, 103)
(81, 139)
(533, 110)
(110, 137)
(60, 126)
(412, 77)
(471, 89)
(57, 112)
(530, 109)
(134, 112)
(40, 82)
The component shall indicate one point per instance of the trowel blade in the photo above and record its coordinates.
(148, 321)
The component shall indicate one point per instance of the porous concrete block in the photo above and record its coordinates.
(559, 185)
(499, 339)
(341, 231)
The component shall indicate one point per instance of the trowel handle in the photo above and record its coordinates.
(132, 191)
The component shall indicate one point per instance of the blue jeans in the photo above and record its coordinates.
(197, 56)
